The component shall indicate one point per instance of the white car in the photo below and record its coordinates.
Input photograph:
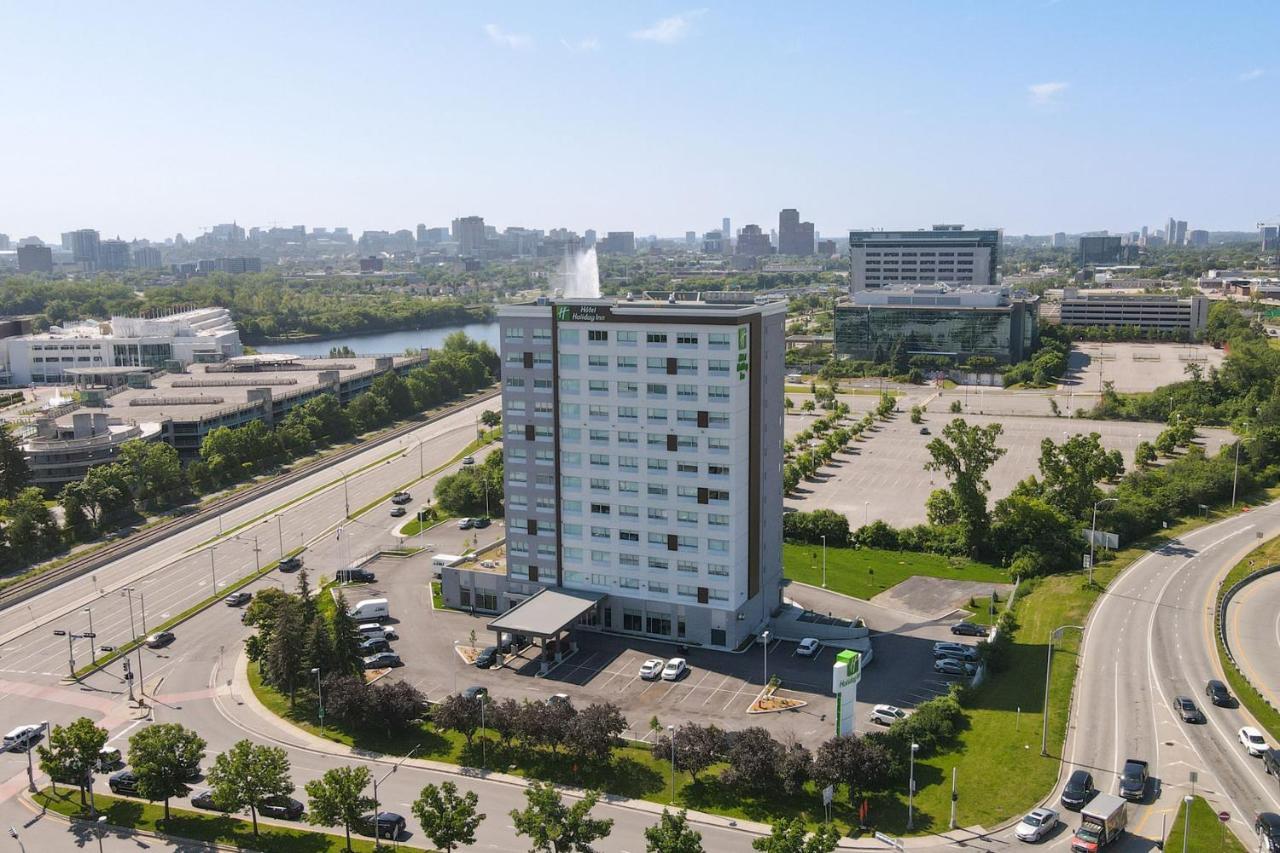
(887, 715)
(1037, 824)
(652, 668)
(675, 668)
(808, 647)
(1252, 740)
(951, 666)
(468, 460)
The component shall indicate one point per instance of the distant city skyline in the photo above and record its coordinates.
(647, 119)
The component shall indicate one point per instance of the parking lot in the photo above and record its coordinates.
(1136, 366)
(717, 689)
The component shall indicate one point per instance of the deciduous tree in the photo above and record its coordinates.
(553, 827)
(338, 797)
(447, 818)
(248, 774)
(165, 756)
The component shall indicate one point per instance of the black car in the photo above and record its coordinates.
(969, 629)
(488, 657)
(373, 646)
(382, 660)
(291, 564)
(1268, 828)
(475, 691)
(389, 825)
(204, 800)
(124, 782)
(1271, 761)
(1078, 791)
(480, 523)
(159, 640)
(1188, 710)
(1219, 694)
(285, 808)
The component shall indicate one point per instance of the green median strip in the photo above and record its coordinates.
(489, 438)
(218, 595)
(208, 827)
(1206, 831)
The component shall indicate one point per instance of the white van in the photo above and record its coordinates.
(22, 737)
(371, 609)
(444, 561)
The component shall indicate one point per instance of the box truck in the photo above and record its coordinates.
(1102, 821)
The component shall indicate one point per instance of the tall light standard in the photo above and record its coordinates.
(93, 651)
(911, 789)
(824, 562)
(213, 571)
(280, 533)
(31, 772)
(671, 733)
(1044, 726)
(315, 670)
(1186, 819)
(1235, 472)
(102, 829)
(866, 513)
(764, 638)
(1093, 532)
(346, 495)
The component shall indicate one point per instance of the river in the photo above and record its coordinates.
(389, 343)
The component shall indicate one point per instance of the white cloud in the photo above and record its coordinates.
(1046, 93)
(670, 30)
(1252, 74)
(497, 35)
(590, 44)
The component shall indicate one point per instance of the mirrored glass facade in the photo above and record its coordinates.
(868, 332)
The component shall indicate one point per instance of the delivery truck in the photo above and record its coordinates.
(1102, 821)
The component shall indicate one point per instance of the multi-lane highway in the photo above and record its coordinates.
(1253, 629)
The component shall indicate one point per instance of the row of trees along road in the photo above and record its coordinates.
(148, 477)
(165, 757)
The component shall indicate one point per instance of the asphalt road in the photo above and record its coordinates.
(1253, 625)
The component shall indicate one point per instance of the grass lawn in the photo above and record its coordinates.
(865, 572)
(1205, 832)
(203, 826)
(437, 596)
(1268, 717)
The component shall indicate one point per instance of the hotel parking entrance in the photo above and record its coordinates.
(548, 617)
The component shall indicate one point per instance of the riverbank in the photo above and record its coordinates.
(388, 340)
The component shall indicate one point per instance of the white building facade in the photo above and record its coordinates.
(643, 462)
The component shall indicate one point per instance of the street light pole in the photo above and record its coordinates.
(764, 636)
(1044, 728)
(1186, 819)
(31, 773)
(1235, 472)
(911, 789)
(280, 533)
(824, 562)
(1093, 533)
(93, 651)
(213, 571)
(671, 733)
(319, 695)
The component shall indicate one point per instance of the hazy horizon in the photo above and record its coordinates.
(1031, 117)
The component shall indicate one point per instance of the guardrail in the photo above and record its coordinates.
(1220, 618)
(24, 589)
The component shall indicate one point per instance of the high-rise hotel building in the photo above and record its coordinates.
(643, 464)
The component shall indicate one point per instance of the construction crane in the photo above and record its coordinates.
(1275, 223)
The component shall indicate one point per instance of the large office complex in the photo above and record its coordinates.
(206, 334)
(946, 253)
(956, 322)
(794, 237)
(1183, 315)
(752, 242)
(643, 470)
(1100, 250)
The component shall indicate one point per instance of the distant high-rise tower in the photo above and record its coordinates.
(1180, 233)
(1170, 230)
(1270, 235)
(588, 238)
(35, 259)
(470, 234)
(84, 247)
(1059, 240)
(114, 255)
(726, 236)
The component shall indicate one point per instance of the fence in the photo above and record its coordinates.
(1220, 618)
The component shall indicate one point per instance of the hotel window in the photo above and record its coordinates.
(548, 456)
(515, 407)
(686, 591)
(629, 560)
(629, 583)
(631, 620)
(515, 359)
(716, 365)
(543, 407)
(656, 389)
(656, 440)
(517, 476)
(687, 442)
(687, 366)
(656, 365)
(687, 339)
(542, 334)
(628, 511)
(628, 389)
(568, 336)
(718, 340)
(626, 362)
(628, 487)
(659, 415)
(658, 588)
(516, 454)
(718, 546)
(718, 570)
(655, 338)
(571, 554)
(626, 337)
(656, 514)
(718, 470)
(686, 468)
(546, 504)
(548, 552)
(686, 416)
(687, 392)
(515, 382)
(718, 595)
(687, 543)
(568, 361)
(548, 481)
(571, 435)
(603, 411)
(570, 410)
(656, 490)
(600, 558)
(597, 361)
(597, 386)
(627, 437)
(658, 623)
(599, 435)
(599, 484)
(657, 465)
(716, 520)
(542, 359)
(717, 444)
(717, 392)
(571, 507)
(571, 482)
(599, 509)
(519, 547)
(517, 502)
(717, 495)
(658, 564)
(686, 566)
(717, 420)
(686, 517)
(571, 529)
(542, 384)
(686, 492)
(600, 459)
(628, 535)
(658, 539)
(514, 333)
(569, 386)
(597, 335)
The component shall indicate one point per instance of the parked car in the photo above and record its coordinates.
(388, 825)
(369, 630)
(159, 640)
(652, 668)
(468, 460)
(204, 800)
(475, 691)
(969, 629)
(285, 808)
(22, 737)
(291, 564)
(1188, 710)
(236, 599)
(109, 758)
(942, 650)
(1253, 741)
(808, 647)
(1037, 824)
(925, 431)
(951, 666)
(382, 660)
(398, 511)
(401, 498)
(1268, 828)
(887, 715)
(675, 668)
(124, 782)
(373, 646)
(488, 657)
(466, 524)
(1219, 694)
(1078, 790)
(480, 523)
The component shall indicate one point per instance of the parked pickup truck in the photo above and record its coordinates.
(1102, 821)
(1133, 779)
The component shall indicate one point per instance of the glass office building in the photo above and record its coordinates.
(937, 320)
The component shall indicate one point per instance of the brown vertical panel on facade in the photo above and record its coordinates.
(532, 527)
(671, 441)
(555, 437)
(528, 432)
(673, 542)
(702, 495)
(756, 384)
(703, 598)
(528, 361)
(704, 420)
(533, 574)
(671, 367)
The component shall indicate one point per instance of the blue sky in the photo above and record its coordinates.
(145, 119)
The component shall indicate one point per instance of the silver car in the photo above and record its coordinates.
(1037, 824)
